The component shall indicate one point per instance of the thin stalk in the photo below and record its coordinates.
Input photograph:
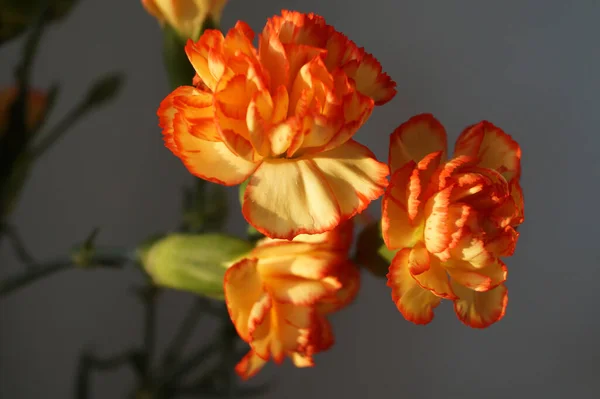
(37, 272)
(18, 245)
(59, 130)
(189, 364)
(89, 363)
(185, 331)
(149, 297)
(32, 274)
(229, 359)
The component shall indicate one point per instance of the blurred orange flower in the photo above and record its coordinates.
(285, 114)
(451, 220)
(185, 16)
(279, 295)
(37, 102)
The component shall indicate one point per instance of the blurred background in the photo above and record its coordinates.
(529, 66)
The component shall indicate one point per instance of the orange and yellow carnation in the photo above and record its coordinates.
(451, 220)
(185, 16)
(279, 295)
(283, 115)
(37, 102)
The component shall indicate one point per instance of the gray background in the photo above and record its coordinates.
(530, 67)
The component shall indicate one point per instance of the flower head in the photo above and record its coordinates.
(284, 114)
(451, 220)
(279, 295)
(185, 16)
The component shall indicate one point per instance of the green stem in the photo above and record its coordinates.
(179, 69)
(18, 245)
(186, 366)
(59, 130)
(229, 358)
(150, 296)
(185, 331)
(89, 363)
(37, 272)
(16, 139)
(32, 274)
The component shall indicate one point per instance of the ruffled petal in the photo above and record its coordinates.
(414, 139)
(421, 186)
(369, 78)
(312, 195)
(414, 302)
(492, 147)
(294, 326)
(243, 289)
(314, 265)
(511, 212)
(418, 259)
(196, 106)
(429, 273)
(516, 193)
(289, 197)
(301, 360)
(339, 238)
(477, 279)
(285, 330)
(354, 175)
(348, 275)
(480, 309)
(397, 229)
(273, 57)
(299, 291)
(446, 223)
(207, 159)
(321, 336)
(250, 365)
(268, 248)
(198, 53)
(356, 110)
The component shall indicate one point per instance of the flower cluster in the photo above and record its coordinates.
(280, 117)
(451, 220)
(279, 295)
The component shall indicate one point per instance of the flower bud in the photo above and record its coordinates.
(187, 17)
(192, 262)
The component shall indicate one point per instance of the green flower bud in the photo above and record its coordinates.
(192, 262)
